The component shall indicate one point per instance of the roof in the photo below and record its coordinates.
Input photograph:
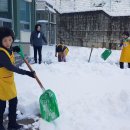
(111, 7)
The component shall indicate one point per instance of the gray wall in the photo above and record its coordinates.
(91, 28)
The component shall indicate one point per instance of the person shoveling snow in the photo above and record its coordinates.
(7, 85)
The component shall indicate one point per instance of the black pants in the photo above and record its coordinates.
(122, 65)
(39, 50)
(12, 110)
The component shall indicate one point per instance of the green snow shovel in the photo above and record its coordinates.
(48, 103)
(106, 54)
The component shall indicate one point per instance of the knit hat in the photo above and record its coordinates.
(5, 32)
(125, 33)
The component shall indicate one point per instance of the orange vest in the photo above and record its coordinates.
(7, 84)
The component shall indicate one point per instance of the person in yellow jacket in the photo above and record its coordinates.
(125, 53)
(7, 85)
(62, 51)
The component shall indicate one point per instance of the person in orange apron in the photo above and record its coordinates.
(62, 51)
(7, 85)
(125, 53)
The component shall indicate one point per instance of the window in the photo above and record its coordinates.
(24, 15)
(52, 17)
(7, 24)
(3, 5)
(1, 23)
(24, 26)
(42, 15)
(24, 11)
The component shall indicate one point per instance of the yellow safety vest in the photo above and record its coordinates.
(7, 84)
(125, 54)
(66, 51)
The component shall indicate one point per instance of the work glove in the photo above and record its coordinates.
(30, 73)
(16, 49)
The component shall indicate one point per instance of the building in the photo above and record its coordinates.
(46, 16)
(89, 28)
(20, 16)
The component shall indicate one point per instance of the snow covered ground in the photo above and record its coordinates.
(91, 96)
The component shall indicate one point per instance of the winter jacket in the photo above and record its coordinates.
(125, 54)
(37, 39)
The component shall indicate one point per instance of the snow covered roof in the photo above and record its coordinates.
(42, 21)
(44, 5)
(111, 7)
(48, 8)
(116, 13)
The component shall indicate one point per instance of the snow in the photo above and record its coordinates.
(111, 7)
(42, 21)
(90, 96)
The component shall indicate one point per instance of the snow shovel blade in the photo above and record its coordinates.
(106, 54)
(48, 106)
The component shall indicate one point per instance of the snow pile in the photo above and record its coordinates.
(90, 95)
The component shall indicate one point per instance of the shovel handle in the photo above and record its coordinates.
(90, 53)
(39, 82)
(29, 66)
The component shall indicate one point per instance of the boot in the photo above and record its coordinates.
(121, 65)
(2, 109)
(35, 61)
(1, 123)
(2, 127)
(14, 126)
(40, 62)
(128, 65)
